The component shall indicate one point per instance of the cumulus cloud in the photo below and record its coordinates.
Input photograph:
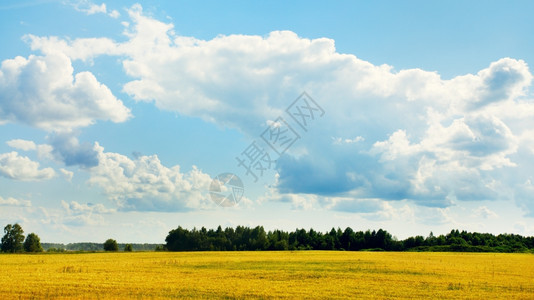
(484, 212)
(23, 145)
(435, 216)
(64, 147)
(79, 214)
(83, 49)
(22, 168)
(339, 141)
(411, 134)
(503, 80)
(67, 174)
(524, 195)
(44, 151)
(43, 92)
(14, 202)
(67, 149)
(145, 184)
(76, 208)
(91, 8)
(114, 14)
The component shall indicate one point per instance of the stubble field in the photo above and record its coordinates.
(300, 274)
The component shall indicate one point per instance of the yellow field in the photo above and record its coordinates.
(310, 274)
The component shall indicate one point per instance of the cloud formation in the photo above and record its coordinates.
(44, 92)
(10, 201)
(44, 151)
(67, 149)
(91, 8)
(22, 168)
(418, 136)
(145, 184)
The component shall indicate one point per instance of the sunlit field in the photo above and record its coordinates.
(300, 274)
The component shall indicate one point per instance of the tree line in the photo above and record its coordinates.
(245, 238)
(13, 241)
(88, 246)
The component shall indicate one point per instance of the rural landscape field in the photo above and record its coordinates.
(266, 149)
(252, 274)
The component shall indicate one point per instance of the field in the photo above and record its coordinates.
(302, 274)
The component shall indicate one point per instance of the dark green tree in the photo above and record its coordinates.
(13, 238)
(111, 245)
(33, 243)
(128, 248)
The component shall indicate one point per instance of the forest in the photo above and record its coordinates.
(245, 238)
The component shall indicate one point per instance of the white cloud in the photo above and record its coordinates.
(93, 9)
(44, 151)
(78, 214)
(69, 217)
(42, 91)
(23, 145)
(84, 49)
(114, 14)
(67, 174)
(340, 141)
(14, 202)
(485, 213)
(75, 208)
(435, 216)
(22, 168)
(447, 138)
(89, 7)
(145, 184)
(423, 138)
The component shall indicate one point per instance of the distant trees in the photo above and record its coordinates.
(58, 247)
(111, 245)
(245, 238)
(13, 238)
(33, 243)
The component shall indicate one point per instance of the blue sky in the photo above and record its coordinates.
(115, 117)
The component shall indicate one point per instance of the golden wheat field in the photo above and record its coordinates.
(299, 274)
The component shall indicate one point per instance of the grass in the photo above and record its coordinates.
(300, 274)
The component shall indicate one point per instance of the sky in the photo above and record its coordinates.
(120, 119)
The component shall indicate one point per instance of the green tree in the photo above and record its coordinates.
(128, 248)
(111, 245)
(13, 238)
(33, 243)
